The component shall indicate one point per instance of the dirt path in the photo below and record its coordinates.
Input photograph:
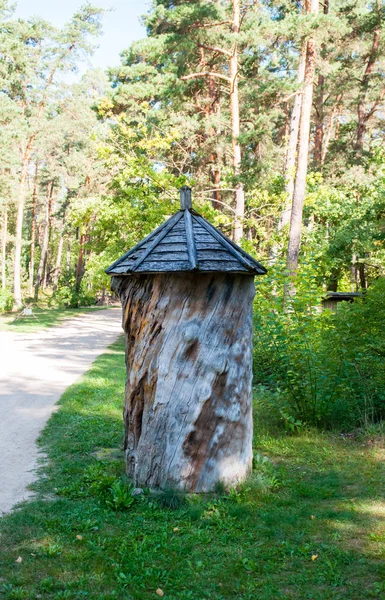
(35, 370)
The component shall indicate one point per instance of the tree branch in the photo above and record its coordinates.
(207, 74)
(375, 106)
(287, 98)
(218, 24)
(215, 49)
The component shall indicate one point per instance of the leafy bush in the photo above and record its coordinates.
(120, 495)
(320, 368)
(67, 296)
(6, 301)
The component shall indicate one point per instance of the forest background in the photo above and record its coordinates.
(273, 113)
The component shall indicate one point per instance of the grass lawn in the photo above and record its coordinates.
(308, 525)
(46, 317)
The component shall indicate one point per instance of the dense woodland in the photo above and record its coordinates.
(273, 113)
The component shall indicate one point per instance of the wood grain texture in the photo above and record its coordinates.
(188, 420)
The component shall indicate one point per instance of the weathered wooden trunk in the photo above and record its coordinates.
(188, 417)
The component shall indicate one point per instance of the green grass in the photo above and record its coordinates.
(46, 317)
(309, 524)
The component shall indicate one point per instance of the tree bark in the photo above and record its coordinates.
(19, 229)
(33, 232)
(319, 121)
(44, 251)
(215, 176)
(303, 156)
(291, 154)
(362, 114)
(68, 256)
(234, 110)
(80, 264)
(187, 415)
(215, 158)
(319, 106)
(4, 248)
(353, 273)
(334, 114)
(58, 263)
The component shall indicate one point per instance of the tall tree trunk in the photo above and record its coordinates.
(58, 263)
(362, 114)
(334, 114)
(80, 264)
(215, 176)
(291, 153)
(353, 273)
(68, 256)
(362, 275)
(44, 250)
(33, 231)
(4, 248)
(19, 228)
(319, 121)
(235, 130)
(215, 157)
(49, 216)
(319, 106)
(303, 156)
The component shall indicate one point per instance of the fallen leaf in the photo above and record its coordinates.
(159, 592)
(79, 537)
(19, 560)
(314, 556)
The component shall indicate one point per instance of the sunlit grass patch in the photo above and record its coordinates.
(45, 317)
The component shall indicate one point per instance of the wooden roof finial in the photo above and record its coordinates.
(185, 198)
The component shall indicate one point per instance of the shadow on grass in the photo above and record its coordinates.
(307, 525)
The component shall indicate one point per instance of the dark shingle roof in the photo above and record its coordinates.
(186, 242)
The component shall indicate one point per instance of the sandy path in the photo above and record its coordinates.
(35, 370)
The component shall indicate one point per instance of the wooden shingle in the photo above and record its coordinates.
(186, 242)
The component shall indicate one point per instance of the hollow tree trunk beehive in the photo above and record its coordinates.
(188, 418)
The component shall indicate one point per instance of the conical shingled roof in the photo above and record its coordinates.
(186, 242)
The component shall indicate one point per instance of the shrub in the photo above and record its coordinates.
(6, 301)
(320, 368)
(67, 296)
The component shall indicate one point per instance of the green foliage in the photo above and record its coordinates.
(120, 495)
(320, 368)
(6, 301)
(67, 296)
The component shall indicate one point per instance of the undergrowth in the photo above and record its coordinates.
(320, 368)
